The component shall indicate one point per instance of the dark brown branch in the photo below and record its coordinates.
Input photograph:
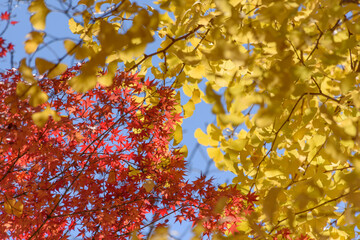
(173, 40)
(317, 42)
(282, 125)
(312, 208)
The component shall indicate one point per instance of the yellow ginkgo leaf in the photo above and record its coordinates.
(26, 72)
(38, 98)
(270, 204)
(112, 177)
(178, 136)
(189, 108)
(40, 118)
(204, 139)
(74, 26)
(14, 207)
(133, 171)
(149, 185)
(83, 82)
(184, 150)
(69, 46)
(53, 69)
(22, 90)
(38, 19)
(224, 6)
(107, 79)
(160, 233)
(81, 52)
(34, 38)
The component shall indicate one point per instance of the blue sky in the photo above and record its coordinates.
(57, 27)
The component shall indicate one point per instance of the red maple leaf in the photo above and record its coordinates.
(14, 22)
(163, 212)
(179, 218)
(10, 47)
(67, 162)
(233, 229)
(5, 16)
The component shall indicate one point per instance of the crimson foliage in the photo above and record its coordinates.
(105, 168)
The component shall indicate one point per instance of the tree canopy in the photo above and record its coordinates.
(282, 78)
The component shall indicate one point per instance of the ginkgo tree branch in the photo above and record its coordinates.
(202, 39)
(282, 125)
(67, 189)
(339, 169)
(93, 20)
(103, 135)
(18, 157)
(173, 41)
(317, 43)
(316, 154)
(313, 208)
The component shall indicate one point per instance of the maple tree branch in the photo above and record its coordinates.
(99, 138)
(12, 165)
(8, 20)
(160, 218)
(97, 230)
(18, 157)
(67, 189)
(120, 117)
(74, 180)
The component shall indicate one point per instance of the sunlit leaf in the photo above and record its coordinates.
(53, 69)
(14, 207)
(178, 136)
(40, 11)
(74, 26)
(33, 40)
(40, 118)
(112, 177)
(149, 185)
(189, 108)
